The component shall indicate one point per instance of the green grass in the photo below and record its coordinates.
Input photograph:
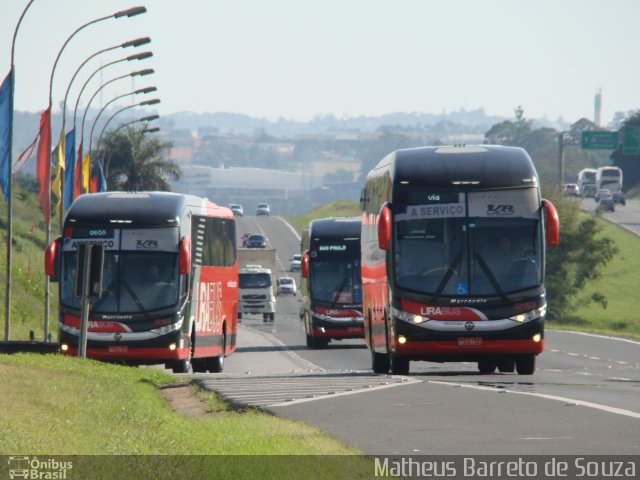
(341, 208)
(619, 283)
(27, 267)
(55, 405)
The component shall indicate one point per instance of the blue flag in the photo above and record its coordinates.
(5, 132)
(69, 168)
(102, 183)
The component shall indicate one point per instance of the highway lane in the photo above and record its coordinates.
(627, 216)
(583, 398)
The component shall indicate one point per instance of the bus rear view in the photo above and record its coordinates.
(453, 258)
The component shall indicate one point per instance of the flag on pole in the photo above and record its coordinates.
(58, 165)
(102, 183)
(77, 181)
(43, 167)
(5, 132)
(69, 146)
(86, 172)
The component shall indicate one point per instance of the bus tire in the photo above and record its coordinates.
(379, 362)
(181, 366)
(272, 316)
(486, 366)
(265, 317)
(506, 365)
(239, 315)
(398, 365)
(526, 364)
(216, 364)
(199, 365)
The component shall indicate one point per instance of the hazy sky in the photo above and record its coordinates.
(301, 58)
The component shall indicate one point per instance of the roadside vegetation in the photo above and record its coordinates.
(55, 405)
(341, 208)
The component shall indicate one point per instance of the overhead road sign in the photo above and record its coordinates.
(600, 140)
(631, 140)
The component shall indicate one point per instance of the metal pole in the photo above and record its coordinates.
(12, 72)
(82, 339)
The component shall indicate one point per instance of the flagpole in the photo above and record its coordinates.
(7, 307)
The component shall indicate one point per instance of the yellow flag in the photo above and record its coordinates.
(86, 172)
(56, 185)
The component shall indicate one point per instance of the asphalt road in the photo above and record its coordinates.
(627, 216)
(583, 399)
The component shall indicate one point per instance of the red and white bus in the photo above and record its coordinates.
(330, 280)
(453, 254)
(170, 281)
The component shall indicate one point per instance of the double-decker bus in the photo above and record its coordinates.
(331, 288)
(170, 280)
(453, 250)
(609, 178)
(587, 182)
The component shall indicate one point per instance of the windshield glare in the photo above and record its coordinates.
(132, 282)
(476, 244)
(336, 281)
(255, 280)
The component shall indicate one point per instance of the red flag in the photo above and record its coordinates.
(77, 181)
(94, 184)
(44, 164)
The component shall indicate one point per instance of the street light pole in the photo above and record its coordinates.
(12, 73)
(131, 12)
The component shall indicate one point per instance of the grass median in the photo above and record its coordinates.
(55, 405)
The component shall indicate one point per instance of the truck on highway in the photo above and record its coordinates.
(257, 282)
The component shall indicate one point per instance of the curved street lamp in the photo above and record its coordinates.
(148, 118)
(145, 103)
(131, 12)
(7, 304)
(141, 91)
(137, 56)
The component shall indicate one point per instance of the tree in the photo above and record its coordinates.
(630, 164)
(579, 258)
(134, 160)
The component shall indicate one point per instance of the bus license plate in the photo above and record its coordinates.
(118, 349)
(469, 342)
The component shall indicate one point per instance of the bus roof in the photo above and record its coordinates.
(335, 228)
(465, 167)
(139, 208)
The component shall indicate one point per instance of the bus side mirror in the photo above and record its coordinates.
(184, 256)
(304, 265)
(384, 227)
(551, 224)
(52, 259)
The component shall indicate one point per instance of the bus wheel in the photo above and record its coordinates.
(398, 365)
(239, 315)
(506, 365)
(265, 317)
(526, 364)
(379, 362)
(182, 366)
(216, 364)
(199, 365)
(486, 366)
(272, 317)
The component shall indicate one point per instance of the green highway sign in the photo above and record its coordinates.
(631, 142)
(600, 140)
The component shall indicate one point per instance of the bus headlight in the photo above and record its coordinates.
(530, 315)
(402, 339)
(172, 327)
(409, 317)
(64, 347)
(536, 338)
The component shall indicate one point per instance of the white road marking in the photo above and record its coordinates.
(572, 401)
(606, 337)
(342, 394)
(293, 230)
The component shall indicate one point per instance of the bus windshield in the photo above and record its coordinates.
(336, 281)
(469, 244)
(132, 282)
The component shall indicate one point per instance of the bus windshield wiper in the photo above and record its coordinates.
(492, 278)
(334, 303)
(446, 277)
(135, 298)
